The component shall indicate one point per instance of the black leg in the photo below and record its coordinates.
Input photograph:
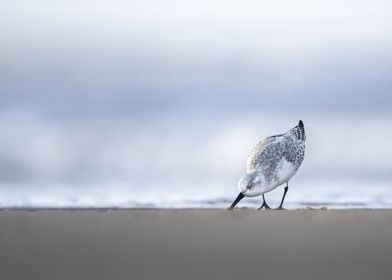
(284, 195)
(264, 204)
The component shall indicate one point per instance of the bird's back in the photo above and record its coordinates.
(279, 156)
(266, 152)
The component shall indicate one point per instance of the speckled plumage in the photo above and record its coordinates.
(274, 161)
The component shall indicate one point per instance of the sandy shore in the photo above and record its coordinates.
(196, 244)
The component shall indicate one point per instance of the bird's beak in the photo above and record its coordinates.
(239, 197)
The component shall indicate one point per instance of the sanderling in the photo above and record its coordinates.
(272, 163)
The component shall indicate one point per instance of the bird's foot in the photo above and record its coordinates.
(266, 207)
(280, 208)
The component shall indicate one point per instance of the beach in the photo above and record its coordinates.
(195, 244)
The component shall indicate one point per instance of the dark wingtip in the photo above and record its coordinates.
(300, 124)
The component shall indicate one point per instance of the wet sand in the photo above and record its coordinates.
(196, 244)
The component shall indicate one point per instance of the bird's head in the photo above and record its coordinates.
(249, 185)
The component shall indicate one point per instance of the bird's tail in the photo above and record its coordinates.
(299, 131)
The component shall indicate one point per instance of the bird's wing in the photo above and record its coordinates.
(266, 152)
(294, 149)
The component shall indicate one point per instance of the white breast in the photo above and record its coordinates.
(283, 173)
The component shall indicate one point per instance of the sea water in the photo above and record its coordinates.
(187, 160)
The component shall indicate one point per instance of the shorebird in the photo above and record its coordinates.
(272, 163)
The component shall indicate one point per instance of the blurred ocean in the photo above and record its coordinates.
(186, 160)
(152, 104)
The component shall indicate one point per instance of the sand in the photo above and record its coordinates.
(196, 244)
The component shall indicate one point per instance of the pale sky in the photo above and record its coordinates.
(146, 93)
(329, 55)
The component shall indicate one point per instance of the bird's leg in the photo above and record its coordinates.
(264, 204)
(284, 195)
